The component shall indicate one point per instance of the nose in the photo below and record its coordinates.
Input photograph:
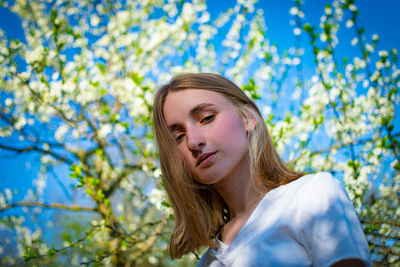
(195, 139)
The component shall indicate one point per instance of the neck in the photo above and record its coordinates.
(238, 191)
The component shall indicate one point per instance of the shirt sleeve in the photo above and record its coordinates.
(331, 230)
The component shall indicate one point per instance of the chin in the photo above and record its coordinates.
(209, 179)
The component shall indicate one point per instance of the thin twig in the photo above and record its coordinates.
(45, 205)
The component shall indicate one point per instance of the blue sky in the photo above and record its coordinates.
(380, 17)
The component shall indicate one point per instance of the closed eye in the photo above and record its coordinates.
(208, 118)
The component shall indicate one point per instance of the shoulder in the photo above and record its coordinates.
(304, 194)
(326, 217)
(319, 203)
(320, 193)
(312, 187)
(324, 179)
(321, 185)
(320, 179)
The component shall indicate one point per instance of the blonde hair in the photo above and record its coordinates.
(199, 210)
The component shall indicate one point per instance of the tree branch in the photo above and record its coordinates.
(33, 148)
(373, 222)
(338, 146)
(44, 205)
(29, 256)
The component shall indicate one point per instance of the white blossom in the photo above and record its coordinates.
(294, 11)
(349, 23)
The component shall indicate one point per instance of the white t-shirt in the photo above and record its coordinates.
(308, 222)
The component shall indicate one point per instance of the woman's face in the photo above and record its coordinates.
(209, 132)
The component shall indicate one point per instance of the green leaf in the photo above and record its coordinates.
(267, 57)
(114, 118)
(166, 204)
(28, 254)
(66, 236)
(101, 67)
(100, 194)
(52, 251)
(136, 78)
(252, 89)
(76, 171)
(105, 110)
(307, 27)
(372, 228)
(95, 84)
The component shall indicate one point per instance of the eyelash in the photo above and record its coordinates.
(208, 118)
(179, 138)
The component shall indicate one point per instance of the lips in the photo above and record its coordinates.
(204, 157)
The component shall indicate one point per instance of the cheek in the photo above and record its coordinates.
(232, 131)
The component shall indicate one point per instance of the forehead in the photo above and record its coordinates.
(179, 103)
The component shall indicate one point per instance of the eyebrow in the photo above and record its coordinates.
(193, 113)
(200, 107)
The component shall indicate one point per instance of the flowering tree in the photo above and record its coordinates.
(78, 92)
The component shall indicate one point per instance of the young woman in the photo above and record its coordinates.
(230, 190)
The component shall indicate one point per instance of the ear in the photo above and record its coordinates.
(250, 121)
